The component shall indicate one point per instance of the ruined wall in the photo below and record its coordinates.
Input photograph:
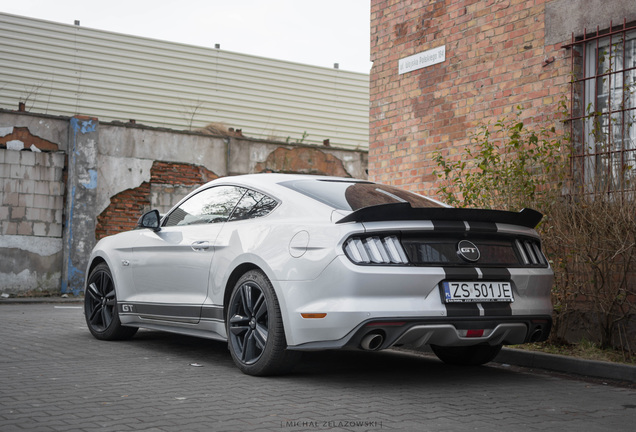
(31, 209)
(112, 173)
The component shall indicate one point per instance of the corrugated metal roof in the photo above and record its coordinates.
(65, 69)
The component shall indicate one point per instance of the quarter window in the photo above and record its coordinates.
(252, 205)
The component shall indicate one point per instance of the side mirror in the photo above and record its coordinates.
(149, 220)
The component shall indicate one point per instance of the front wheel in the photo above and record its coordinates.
(100, 306)
(256, 336)
(474, 355)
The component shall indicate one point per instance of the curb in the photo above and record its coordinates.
(569, 365)
(41, 300)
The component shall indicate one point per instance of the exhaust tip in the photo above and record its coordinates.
(536, 335)
(372, 341)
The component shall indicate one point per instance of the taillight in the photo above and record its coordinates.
(531, 252)
(375, 250)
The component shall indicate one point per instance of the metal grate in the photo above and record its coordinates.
(603, 110)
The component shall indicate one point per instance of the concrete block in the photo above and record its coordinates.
(12, 157)
(27, 158)
(47, 215)
(11, 199)
(55, 230)
(42, 187)
(55, 188)
(4, 170)
(27, 186)
(2, 152)
(40, 229)
(25, 228)
(58, 216)
(52, 202)
(18, 212)
(4, 213)
(28, 200)
(9, 228)
(40, 201)
(34, 214)
(34, 173)
(58, 203)
(14, 171)
(42, 159)
(8, 185)
(58, 174)
(57, 160)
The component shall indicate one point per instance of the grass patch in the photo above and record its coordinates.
(583, 349)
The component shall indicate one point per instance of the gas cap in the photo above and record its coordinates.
(298, 244)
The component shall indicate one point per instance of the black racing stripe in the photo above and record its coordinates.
(188, 311)
(462, 309)
(497, 309)
(212, 312)
(442, 225)
(489, 227)
(495, 274)
(461, 273)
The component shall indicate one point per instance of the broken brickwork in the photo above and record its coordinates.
(126, 206)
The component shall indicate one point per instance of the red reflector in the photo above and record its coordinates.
(474, 333)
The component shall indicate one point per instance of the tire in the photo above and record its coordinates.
(256, 337)
(467, 355)
(100, 306)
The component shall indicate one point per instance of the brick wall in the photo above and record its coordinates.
(496, 59)
(169, 182)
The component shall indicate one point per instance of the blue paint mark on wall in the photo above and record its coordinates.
(83, 126)
(92, 182)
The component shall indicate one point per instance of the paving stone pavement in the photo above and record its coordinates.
(54, 376)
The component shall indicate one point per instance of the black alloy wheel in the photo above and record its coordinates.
(100, 306)
(255, 330)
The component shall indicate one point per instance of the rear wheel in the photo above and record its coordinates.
(100, 306)
(256, 336)
(467, 355)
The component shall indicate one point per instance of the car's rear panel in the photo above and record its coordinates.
(401, 295)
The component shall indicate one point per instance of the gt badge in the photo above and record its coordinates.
(468, 251)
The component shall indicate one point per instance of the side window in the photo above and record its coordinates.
(211, 205)
(253, 205)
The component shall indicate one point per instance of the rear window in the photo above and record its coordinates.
(354, 195)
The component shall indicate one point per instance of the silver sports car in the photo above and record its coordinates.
(278, 264)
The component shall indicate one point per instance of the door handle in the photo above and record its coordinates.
(200, 245)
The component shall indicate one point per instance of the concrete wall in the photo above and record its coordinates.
(66, 182)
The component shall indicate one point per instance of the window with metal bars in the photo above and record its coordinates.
(603, 122)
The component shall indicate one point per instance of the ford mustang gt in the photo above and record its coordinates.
(278, 264)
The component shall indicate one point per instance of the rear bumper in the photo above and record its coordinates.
(352, 298)
(425, 331)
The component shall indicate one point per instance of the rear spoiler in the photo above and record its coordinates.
(404, 212)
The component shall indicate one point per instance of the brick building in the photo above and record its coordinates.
(442, 68)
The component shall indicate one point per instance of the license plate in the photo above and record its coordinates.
(457, 292)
